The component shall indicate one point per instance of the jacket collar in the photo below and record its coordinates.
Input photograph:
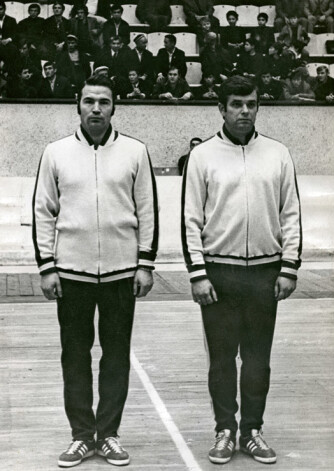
(225, 135)
(109, 137)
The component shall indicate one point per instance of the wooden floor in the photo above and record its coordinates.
(168, 386)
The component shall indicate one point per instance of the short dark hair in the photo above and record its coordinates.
(322, 67)
(59, 3)
(83, 7)
(174, 67)
(34, 5)
(296, 74)
(232, 13)
(48, 64)
(98, 81)
(236, 85)
(278, 46)
(171, 38)
(3, 5)
(116, 6)
(115, 38)
(263, 15)
(250, 41)
(195, 139)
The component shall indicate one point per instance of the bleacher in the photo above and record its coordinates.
(186, 40)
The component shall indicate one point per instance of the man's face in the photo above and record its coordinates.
(173, 76)
(2, 11)
(133, 76)
(231, 20)
(71, 45)
(33, 12)
(26, 75)
(240, 113)
(103, 73)
(81, 14)
(248, 47)
(49, 71)
(293, 21)
(296, 81)
(206, 25)
(96, 106)
(116, 14)
(169, 45)
(141, 44)
(115, 45)
(209, 80)
(322, 75)
(261, 21)
(266, 79)
(24, 50)
(57, 10)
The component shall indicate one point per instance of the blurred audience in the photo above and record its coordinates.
(319, 14)
(285, 9)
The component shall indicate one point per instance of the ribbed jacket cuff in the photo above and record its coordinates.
(197, 273)
(289, 269)
(47, 266)
(146, 260)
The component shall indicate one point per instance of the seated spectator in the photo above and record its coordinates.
(8, 29)
(102, 71)
(170, 56)
(269, 88)
(263, 36)
(23, 86)
(233, 37)
(157, 14)
(279, 64)
(294, 34)
(88, 30)
(296, 88)
(116, 26)
(319, 13)
(116, 59)
(205, 27)
(208, 90)
(54, 85)
(32, 28)
(324, 85)
(73, 64)
(28, 59)
(135, 88)
(216, 60)
(141, 59)
(174, 89)
(195, 10)
(285, 9)
(182, 160)
(56, 28)
(250, 63)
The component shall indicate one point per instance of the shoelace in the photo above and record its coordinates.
(221, 441)
(114, 444)
(74, 447)
(260, 442)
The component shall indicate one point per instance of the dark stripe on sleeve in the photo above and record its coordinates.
(146, 256)
(193, 268)
(185, 249)
(288, 275)
(300, 248)
(286, 264)
(155, 240)
(34, 230)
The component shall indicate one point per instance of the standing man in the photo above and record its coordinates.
(241, 236)
(97, 190)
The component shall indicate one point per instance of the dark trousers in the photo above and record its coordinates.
(242, 320)
(76, 309)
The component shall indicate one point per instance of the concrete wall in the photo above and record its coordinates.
(26, 129)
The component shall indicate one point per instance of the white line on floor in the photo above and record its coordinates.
(166, 418)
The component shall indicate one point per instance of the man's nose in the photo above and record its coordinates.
(245, 109)
(96, 108)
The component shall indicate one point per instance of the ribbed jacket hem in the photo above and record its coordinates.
(94, 278)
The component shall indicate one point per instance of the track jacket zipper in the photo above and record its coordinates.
(247, 207)
(97, 215)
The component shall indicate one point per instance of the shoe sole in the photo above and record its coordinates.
(114, 462)
(70, 464)
(257, 458)
(220, 460)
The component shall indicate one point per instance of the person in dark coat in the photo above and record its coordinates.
(269, 88)
(56, 28)
(54, 85)
(115, 57)
(32, 28)
(157, 14)
(279, 65)
(23, 86)
(287, 8)
(216, 60)
(116, 26)
(8, 28)
(208, 90)
(233, 37)
(195, 10)
(169, 56)
(263, 36)
(141, 59)
(174, 89)
(182, 160)
(88, 30)
(250, 63)
(136, 88)
(324, 85)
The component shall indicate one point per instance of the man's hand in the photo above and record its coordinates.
(51, 286)
(142, 283)
(284, 287)
(203, 292)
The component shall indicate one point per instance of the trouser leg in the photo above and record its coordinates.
(76, 319)
(116, 311)
(258, 324)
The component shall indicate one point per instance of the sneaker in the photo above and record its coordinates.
(111, 449)
(76, 452)
(223, 448)
(256, 446)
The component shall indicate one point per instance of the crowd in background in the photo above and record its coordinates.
(51, 58)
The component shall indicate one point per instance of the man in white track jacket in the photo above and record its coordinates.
(241, 237)
(95, 232)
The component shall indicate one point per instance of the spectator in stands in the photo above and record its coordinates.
(8, 28)
(324, 85)
(216, 60)
(32, 28)
(205, 27)
(73, 64)
(208, 90)
(269, 88)
(23, 86)
(175, 89)
(56, 28)
(195, 10)
(250, 63)
(233, 37)
(54, 85)
(319, 12)
(263, 36)
(141, 59)
(279, 65)
(157, 14)
(135, 88)
(170, 56)
(102, 71)
(88, 30)
(117, 62)
(182, 160)
(294, 34)
(296, 88)
(116, 26)
(28, 59)
(285, 9)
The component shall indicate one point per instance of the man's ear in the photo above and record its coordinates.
(221, 108)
